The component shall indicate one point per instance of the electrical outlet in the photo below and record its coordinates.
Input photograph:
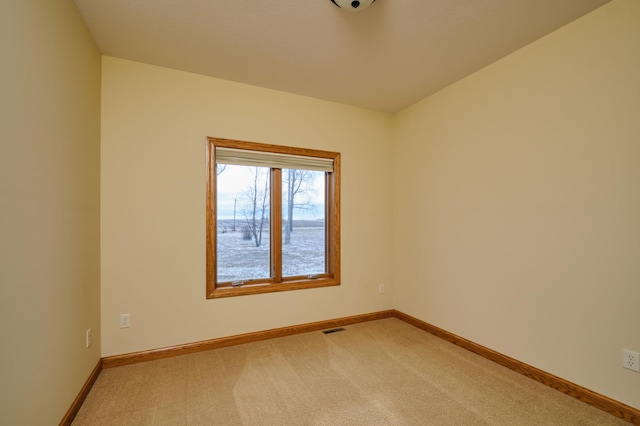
(631, 360)
(381, 288)
(88, 338)
(125, 321)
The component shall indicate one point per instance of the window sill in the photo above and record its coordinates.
(270, 288)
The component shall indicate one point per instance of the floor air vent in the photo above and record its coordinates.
(335, 330)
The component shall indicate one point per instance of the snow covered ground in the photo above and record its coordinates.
(240, 259)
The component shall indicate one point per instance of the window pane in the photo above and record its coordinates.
(242, 217)
(303, 222)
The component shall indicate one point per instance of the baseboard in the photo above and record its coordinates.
(594, 399)
(136, 357)
(77, 403)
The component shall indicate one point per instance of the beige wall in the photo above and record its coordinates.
(49, 243)
(154, 125)
(517, 204)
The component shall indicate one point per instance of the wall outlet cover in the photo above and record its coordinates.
(631, 360)
(125, 321)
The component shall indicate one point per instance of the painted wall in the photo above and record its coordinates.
(154, 125)
(50, 215)
(517, 204)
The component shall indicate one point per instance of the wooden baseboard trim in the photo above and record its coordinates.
(136, 357)
(594, 399)
(77, 403)
(583, 394)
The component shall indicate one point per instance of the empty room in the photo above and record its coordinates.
(399, 212)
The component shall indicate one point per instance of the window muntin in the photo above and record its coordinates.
(303, 256)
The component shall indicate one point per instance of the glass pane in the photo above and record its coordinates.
(303, 222)
(242, 216)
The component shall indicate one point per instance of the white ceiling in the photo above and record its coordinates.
(384, 58)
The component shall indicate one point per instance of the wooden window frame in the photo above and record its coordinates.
(276, 282)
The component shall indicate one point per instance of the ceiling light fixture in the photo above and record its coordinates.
(352, 5)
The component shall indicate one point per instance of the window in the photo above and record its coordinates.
(273, 218)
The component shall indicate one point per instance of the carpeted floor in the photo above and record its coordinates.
(382, 372)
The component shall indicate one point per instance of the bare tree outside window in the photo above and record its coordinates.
(257, 207)
(298, 186)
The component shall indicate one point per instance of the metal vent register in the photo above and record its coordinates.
(335, 330)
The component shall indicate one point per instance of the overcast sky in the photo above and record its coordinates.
(234, 181)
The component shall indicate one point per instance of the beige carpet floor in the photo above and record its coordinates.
(382, 372)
